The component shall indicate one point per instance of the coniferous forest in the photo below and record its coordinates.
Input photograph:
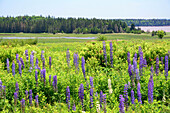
(39, 24)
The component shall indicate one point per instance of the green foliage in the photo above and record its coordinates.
(51, 101)
(101, 38)
(160, 34)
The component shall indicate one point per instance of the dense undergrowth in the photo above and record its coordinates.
(51, 100)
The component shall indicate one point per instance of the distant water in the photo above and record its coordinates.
(47, 37)
(155, 28)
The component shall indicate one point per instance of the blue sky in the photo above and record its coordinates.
(87, 8)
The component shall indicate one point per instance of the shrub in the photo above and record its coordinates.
(101, 38)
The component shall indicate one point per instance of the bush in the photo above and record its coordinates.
(161, 34)
(101, 38)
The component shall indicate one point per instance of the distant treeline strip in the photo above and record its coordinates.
(39, 24)
(147, 22)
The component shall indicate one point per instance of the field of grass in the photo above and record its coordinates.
(71, 71)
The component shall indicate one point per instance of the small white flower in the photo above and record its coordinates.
(110, 86)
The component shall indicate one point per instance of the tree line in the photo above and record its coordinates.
(39, 24)
(147, 22)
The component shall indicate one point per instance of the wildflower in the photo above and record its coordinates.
(135, 55)
(110, 86)
(91, 82)
(104, 102)
(166, 67)
(36, 63)
(141, 62)
(19, 69)
(32, 61)
(126, 96)
(145, 62)
(162, 60)
(15, 98)
(36, 100)
(7, 63)
(111, 54)
(74, 107)
(91, 97)
(139, 94)
(68, 97)
(17, 88)
(101, 98)
(22, 62)
(104, 51)
(30, 97)
(44, 75)
(36, 77)
(26, 54)
(150, 87)
(121, 104)
(157, 65)
(50, 80)
(55, 82)
(42, 55)
(128, 58)
(22, 104)
(76, 63)
(81, 94)
(132, 97)
(50, 62)
(17, 58)
(13, 68)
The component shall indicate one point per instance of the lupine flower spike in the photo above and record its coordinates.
(104, 102)
(50, 62)
(68, 97)
(111, 54)
(30, 97)
(36, 100)
(91, 97)
(126, 96)
(104, 52)
(7, 64)
(81, 95)
(13, 68)
(121, 104)
(166, 67)
(83, 70)
(139, 94)
(23, 105)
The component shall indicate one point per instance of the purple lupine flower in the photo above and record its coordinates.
(91, 97)
(50, 80)
(76, 63)
(166, 67)
(44, 75)
(30, 97)
(96, 94)
(128, 58)
(132, 97)
(7, 64)
(1, 88)
(13, 68)
(36, 100)
(101, 98)
(139, 94)
(145, 62)
(55, 82)
(141, 62)
(50, 62)
(68, 97)
(36, 77)
(104, 52)
(130, 70)
(19, 68)
(121, 104)
(26, 93)
(135, 55)
(83, 67)
(162, 58)
(104, 102)
(22, 62)
(111, 54)
(15, 98)
(91, 82)
(36, 63)
(81, 94)
(134, 65)
(22, 104)
(137, 75)
(157, 65)
(17, 88)
(74, 107)
(68, 57)
(43, 63)
(42, 55)
(26, 54)
(17, 58)
(150, 91)
(126, 96)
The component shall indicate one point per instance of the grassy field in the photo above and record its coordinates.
(50, 100)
